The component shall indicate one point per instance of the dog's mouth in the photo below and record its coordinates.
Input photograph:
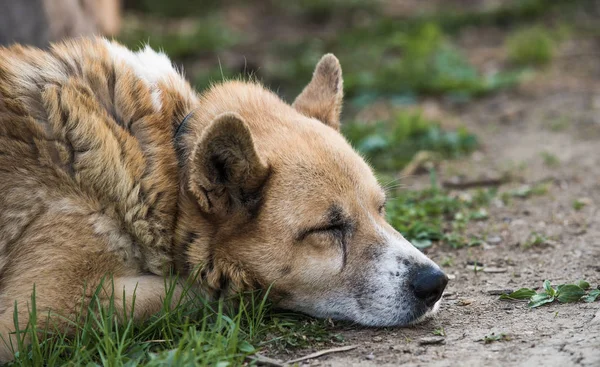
(427, 315)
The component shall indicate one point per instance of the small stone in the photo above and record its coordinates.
(452, 276)
(495, 270)
(464, 302)
(518, 223)
(475, 263)
(420, 351)
(432, 340)
(377, 339)
(494, 240)
(370, 357)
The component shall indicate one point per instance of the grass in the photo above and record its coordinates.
(439, 332)
(180, 39)
(550, 160)
(390, 145)
(422, 61)
(535, 239)
(535, 46)
(526, 191)
(435, 215)
(394, 58)
(194, 332)
(579, 204)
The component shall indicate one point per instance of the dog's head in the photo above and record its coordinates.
(280, 198)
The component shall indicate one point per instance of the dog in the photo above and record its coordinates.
(110, 163)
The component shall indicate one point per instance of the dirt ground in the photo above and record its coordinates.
(556, 113)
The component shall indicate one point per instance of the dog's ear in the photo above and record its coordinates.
(226, 172)
(322, 97)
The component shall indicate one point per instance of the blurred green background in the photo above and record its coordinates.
(394, 53)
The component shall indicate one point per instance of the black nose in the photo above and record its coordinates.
(428, 284)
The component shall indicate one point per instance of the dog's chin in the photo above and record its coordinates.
(427, 315)
(418, 313)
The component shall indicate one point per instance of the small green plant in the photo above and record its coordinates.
(579, 204)
(392, 144)
(535, 239)
(550, 160)
(531, 47)
(439, 332)
(526, 191)
(559, 123)
(493, 337)
(448, 261)
(564, 293)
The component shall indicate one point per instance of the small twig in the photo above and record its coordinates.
(462, 185)
(322, 353)
(266, 361)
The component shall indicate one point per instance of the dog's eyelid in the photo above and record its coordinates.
(329, 227)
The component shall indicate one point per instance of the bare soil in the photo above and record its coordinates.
(556, 113)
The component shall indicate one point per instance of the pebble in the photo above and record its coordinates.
(518, 223)
(377, 339)
(494, 240)
(452, 276)
(495, 270)
(432, 340)
(401, 348)
(370, 357)
(477, 263)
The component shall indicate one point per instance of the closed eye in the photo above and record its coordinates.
(336, 230)
(336, 224)
(381, 209)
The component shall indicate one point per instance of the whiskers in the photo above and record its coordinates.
(390, 187)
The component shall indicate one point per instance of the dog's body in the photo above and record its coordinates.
(110, 164)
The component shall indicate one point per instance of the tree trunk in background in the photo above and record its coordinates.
(38, 22)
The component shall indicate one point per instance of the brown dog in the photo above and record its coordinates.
(111, 164)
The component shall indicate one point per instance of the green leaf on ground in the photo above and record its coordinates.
(564, 293)
(583, 284)
(523, 293)
(548, 288)
(570, 293)
(540, 299)
(592, 296)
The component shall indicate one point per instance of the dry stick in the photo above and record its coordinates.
(322, 353)
(277, 363)
(266, 361)
(476, 183)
